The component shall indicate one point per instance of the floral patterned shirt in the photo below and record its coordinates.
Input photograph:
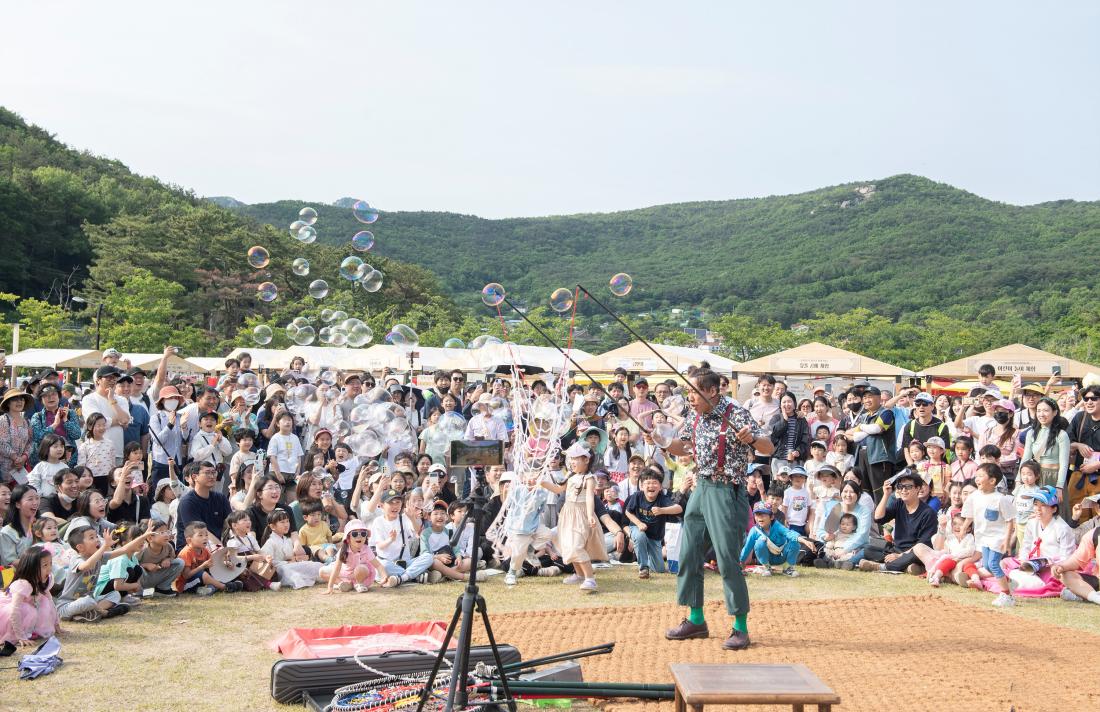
(704, 430)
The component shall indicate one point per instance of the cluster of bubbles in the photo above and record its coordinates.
(561, 299)
(403, 337)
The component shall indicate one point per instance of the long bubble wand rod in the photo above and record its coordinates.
(550, 341)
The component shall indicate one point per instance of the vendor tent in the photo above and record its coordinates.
(212, 364)
(55, 358)
(638, 358)
(817, 359)
(275, 359)
(1017, 359)
(176, 363)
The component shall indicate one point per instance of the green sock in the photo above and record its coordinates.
(741, 622)
(696, 616)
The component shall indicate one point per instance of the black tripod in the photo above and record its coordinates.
(458, 694)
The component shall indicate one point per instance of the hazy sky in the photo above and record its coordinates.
(521, 108)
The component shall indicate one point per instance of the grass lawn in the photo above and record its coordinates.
(212, 653)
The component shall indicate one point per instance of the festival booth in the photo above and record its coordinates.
(530, 359)
(811, 365)
(212, 364)
(55, 358)
(176, 363)
(637, 359)
(1031, 364)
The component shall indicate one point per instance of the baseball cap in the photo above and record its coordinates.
(828, 470)
(112, 352)
(1006, 404)
(798, 471)
(437, 469)
(641, 382)
(507, 477)
(105, 371)
(392, 494)
(761, 508)
(1047, 495)
(135, 371)
(355, 525)
(439, 504)
(872, 390)
(906, 474)
(924, 398)
(578, 449)
(993, 392)
(820, 444)
(937, 441)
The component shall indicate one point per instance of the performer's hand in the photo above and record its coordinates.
(744, 435)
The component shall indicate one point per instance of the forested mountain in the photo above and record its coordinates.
(167, 266)
(895, 246)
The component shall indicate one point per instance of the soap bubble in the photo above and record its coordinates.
(307, 215)
(251, 395)
(363, 272)
(362, 240)
(492, 294)
(300, 266)
(329, 377)
(339, 337)
(363, 212)
(246, 380)
(454, 346)
(267, 291)
(300, 321)
(295, 227)
(305, 336)
(360, 335)
(453, 424)
(318, 289)
(326, 315)
(325, 334)
(663, 434)
(484, 340)
(262, 334)
(307, 234)
(372, 282)
(674, 405)
(258, 257)
(621, 284)
(339, 315)
(291, 330)
(349, 268)
(561, 300)
(403, 337)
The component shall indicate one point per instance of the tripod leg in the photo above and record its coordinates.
(496, 653)
(440, 657)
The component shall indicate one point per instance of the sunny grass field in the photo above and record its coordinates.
(212, 653)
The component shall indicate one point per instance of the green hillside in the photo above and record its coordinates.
(168, 267)
(908, 243)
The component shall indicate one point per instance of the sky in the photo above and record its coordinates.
(519, 109)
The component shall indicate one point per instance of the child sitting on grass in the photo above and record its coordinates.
(957, 550)
(772, 543)
(836, 550)
(78, 600)
(315, 533)
(26, 609)
(354, 564)
(196, 561)
(436, 538)
(238, 534)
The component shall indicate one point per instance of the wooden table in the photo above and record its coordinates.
(750, 684)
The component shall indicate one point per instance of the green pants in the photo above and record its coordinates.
(716, 515)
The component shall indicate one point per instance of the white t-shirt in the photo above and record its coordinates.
(95, 403)
(380, 531)
(287, 450)
(797, 502)
(41, 477)
(991, 513)
(978, 424)
(1056, 541)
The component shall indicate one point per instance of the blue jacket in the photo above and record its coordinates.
(777, 533)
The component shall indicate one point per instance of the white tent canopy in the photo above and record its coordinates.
(176, 364)
(637, 357)
(55, 358)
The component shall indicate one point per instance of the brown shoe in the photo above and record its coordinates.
(736, 641)
(687, 630)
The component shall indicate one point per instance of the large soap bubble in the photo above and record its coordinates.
(484, 340)
(258, 257)
(403, 336)
(318, 289)
(372, 282)
(267, 291)
(305, 336)
(360, 335)
(561, 300)
(621, 284)
(307, 215)
(363, 212)
(663, 434)
(349, 268)
(307, 234)
(262, 334)
(362, 240)
(296, 227)
(492, 294)
(300, 266)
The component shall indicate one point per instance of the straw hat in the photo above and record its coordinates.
(13, 393)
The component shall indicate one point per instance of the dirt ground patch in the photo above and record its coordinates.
(903, 653)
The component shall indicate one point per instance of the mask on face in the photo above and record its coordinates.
(855, 407)
(1002, 417)
(171, 404)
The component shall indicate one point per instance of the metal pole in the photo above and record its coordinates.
(98, 323)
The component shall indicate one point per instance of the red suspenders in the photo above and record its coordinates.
(718, 467)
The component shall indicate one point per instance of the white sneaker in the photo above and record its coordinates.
(1003, 600)
(766, 571)
(573, 580)
(588, 586)
(361, 588)
(275, 586)
(204, 591)
(1068, 595)
(435, 576)
(510, 579)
